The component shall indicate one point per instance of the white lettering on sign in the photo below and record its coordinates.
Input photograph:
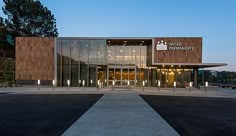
(181, 48)
(173, 46)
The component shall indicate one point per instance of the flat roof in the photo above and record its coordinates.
(189, 65)
(118, 38)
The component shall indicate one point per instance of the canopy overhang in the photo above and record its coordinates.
(188, 65)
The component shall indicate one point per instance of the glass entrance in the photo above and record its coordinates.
(122, 75)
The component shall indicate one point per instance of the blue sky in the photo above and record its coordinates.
(214, 20)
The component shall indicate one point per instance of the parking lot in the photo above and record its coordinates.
(41, 114)
(196, 116)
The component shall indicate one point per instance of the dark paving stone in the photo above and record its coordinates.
(196, 116)
(41, 115)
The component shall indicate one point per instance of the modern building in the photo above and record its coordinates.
(121, 61)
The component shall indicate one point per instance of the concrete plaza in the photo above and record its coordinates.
(211, 92)
(121, 113)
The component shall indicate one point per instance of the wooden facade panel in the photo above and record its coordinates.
(34, 58)
(179, 50)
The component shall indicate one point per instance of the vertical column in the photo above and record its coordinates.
(195, 78)
(167, 77)
(79, 80)
(61, 65)
(96, 82)
(70, 71)
(183, 78)
(203, 76)
(115, 66)
(107, 75)
(121, 75)
(55, 61)
(176, 76)
(140, 66)
(128, 73)
(148, 81)
(135, 72)
(88, 51)
(160, 75)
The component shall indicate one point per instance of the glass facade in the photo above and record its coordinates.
(125, 63)
(80, 62)
(87, 62)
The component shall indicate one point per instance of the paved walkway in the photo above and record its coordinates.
(212, 92)
(121, 113)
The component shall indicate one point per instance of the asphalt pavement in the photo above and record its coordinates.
(196, 116)
(42, 114)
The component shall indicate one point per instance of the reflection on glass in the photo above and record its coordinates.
(84, 60)
(74, 62)
(59, 64)
(65, 61)
(93, 60)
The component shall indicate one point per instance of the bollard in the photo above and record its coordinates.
(174, 86)
(98, 86)
(143, 85)
(190, 86)
(38, 84)
(53, 84)
(113, 84)
(206, 86)
(68, 83)
(79, 83)
(83, 83)
(159, 85)
(128, 84)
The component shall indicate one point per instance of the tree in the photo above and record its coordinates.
(29, 17)
(1, 22)
(8, 70)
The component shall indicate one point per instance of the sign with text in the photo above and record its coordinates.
(172, 46)
(177, 50)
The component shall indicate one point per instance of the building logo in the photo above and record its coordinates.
(172, 46)
(161, 45)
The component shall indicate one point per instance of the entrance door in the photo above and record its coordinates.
(122, 75)
(101, 76)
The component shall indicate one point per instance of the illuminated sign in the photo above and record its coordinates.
(161, 45)
(173, 46)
